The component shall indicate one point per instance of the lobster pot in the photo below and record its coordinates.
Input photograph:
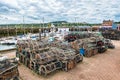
(111, 34)
(117, 37)
(95, 51)
(27, 54)
(114, 38)
(10, 74)
(88, 53)
(19, 48)
(111, 37)
(68, 65)
(27, 62)
(17, 54)
(71, 64)
(106, 37)
(21, 58)
(33, 65)
(102, 49)
(43, 60)
(78, 58)
(23, 52)
(48, 68)
(58, 64)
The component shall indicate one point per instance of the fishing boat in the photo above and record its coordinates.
(8, 41)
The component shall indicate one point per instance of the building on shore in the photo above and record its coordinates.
(109, 24)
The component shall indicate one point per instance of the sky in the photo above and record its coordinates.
(37, 11)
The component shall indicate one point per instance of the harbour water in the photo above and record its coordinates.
(6, 47)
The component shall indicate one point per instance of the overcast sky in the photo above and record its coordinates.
(91, 11)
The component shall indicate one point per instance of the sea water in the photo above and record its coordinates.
(7, 47)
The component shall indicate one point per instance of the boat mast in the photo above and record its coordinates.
(43, 27)
(8, 30)
(75, 23)
(23, 25)
(7, 27)
(16, 30)
(40, 31)
(32, 29)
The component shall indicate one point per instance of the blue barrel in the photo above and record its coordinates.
(82, 51)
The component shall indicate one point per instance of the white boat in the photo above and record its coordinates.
(28, 36)
(8, 41)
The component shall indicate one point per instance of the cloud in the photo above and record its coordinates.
(4, 9)
(91, 11)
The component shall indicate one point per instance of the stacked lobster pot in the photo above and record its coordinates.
(67, 54)
(102, 47)
(109, 43)
(44, 58)
(90, 46)
(72, 36)
(111, 34)
(68, 57)
(39, 59)
(8, 69)
(44, 61)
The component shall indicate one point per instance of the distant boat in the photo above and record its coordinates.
(8, 41)
(28, 36)
(13, 40)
